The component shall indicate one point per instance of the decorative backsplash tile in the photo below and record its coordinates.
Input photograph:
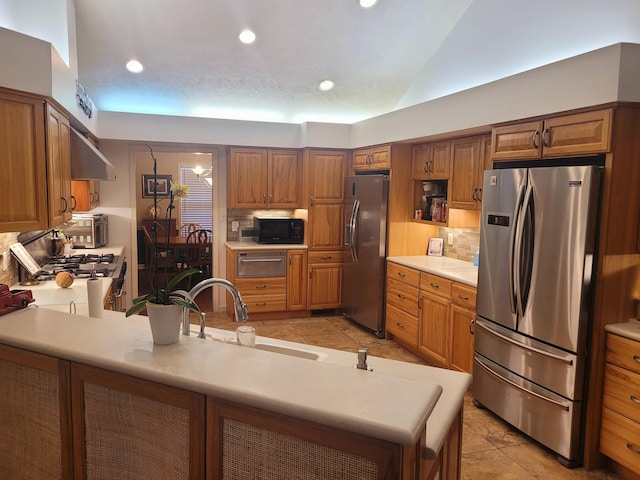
(465, 242)
(10, 275)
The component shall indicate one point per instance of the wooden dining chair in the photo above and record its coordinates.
(198, 252)
(187, 228)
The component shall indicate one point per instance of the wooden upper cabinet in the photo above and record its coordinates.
(264, 178)
(59, 167)
(579, 134)
(85, 194)
(373, 158)
(326, 171)
(467, 166)
(431, 161)
(23, 184)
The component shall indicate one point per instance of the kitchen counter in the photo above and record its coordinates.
(630, 329)
(234, 245)
(377, 404)
(451, 268)
(48, 293)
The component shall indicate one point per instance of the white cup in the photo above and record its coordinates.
(246, 336)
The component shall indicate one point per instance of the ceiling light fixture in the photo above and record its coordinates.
(326, 85)
(367, 3)
(134, 66)
(247, 37)
(200, 172)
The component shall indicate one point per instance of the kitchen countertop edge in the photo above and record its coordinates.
(450, 268)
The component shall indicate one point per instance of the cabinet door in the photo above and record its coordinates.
(85, 195)
(23, 184)
(516, 141)
(579, 134)
(58, 167)
(285, 179)
(297, 280)
(247, 186)
(326, 176)
(420, 161)
(466, 173)
(325, 286)
(380, 158)
(440, 158)
(435, 335)
(361, 159)
(325, 226)
(462, 328)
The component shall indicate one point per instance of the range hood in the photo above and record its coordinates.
(87, 163)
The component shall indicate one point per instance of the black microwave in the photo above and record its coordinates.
(278, 229)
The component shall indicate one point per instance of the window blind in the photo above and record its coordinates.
(198, 206)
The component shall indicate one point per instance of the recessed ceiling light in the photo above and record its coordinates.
(326, 85)
(367, 3)
(247, 37)
(134, 66)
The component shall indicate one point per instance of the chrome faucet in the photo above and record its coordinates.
(239, 306)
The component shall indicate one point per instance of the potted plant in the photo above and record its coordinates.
(165, 301)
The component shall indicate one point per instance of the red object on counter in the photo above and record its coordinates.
(11, 300)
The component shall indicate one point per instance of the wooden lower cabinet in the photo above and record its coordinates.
(431, 315)
(35, 414)
(64, 420)
(324, 288)
(620, 426)
(296, 280)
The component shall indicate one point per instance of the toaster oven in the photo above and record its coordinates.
(89, 230)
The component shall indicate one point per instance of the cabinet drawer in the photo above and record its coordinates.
(403, 296)
(265, 303)
(402, 325)
(434, 284)
(620, 439)
(622, 391)
(262, 285)
(463, 295)
(404, 274)
(325, 257)
(623, 352)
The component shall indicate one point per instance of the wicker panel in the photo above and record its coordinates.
(30, 423)
(132, 437)
(250, 452)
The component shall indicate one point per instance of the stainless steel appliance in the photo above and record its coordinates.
(261, 264)
(89, 230)
(537, 247)
(278, 229)
(365, 236)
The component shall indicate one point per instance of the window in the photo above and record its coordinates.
(198, 206)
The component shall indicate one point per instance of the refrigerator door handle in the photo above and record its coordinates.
(354, 226)
(512, 247)
(519, 387)
(349, 226)
(518, 250)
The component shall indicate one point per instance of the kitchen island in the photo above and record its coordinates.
(218, 390)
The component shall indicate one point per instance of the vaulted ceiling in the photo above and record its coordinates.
(389, 56)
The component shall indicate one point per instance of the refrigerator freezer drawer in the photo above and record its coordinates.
(556, 370)
(551, 420)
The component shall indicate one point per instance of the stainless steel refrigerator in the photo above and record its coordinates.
(537, 246)
(365, 237)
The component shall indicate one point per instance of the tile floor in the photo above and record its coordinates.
(491, 449)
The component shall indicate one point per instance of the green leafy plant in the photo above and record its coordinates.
(165, 292)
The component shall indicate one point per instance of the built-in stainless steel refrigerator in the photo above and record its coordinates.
(537, 247)
(365, 237)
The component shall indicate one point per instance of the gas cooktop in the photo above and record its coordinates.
(80, 266)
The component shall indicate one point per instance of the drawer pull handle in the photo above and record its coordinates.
(463, 297)
(634, 399)
(636, 358)
(401, 274)
(401, 297)
(261, 304)
(261, 286)
(401, 325)
(327, 257)
(434, 285)
(632, 448)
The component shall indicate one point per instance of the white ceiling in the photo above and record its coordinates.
(393, 55)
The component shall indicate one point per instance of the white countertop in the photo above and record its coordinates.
(235, 245)
(630, 329)
(451, 268)
(379, 404)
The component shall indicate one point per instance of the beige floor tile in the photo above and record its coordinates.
(492, 465)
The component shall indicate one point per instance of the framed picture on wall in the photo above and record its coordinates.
(160, 185)
(435, 246)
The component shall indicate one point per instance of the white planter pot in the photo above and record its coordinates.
(165, 322)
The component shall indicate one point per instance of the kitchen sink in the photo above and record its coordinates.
(265, 344)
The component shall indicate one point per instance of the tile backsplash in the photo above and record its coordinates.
(10, 275)
(465, 242)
